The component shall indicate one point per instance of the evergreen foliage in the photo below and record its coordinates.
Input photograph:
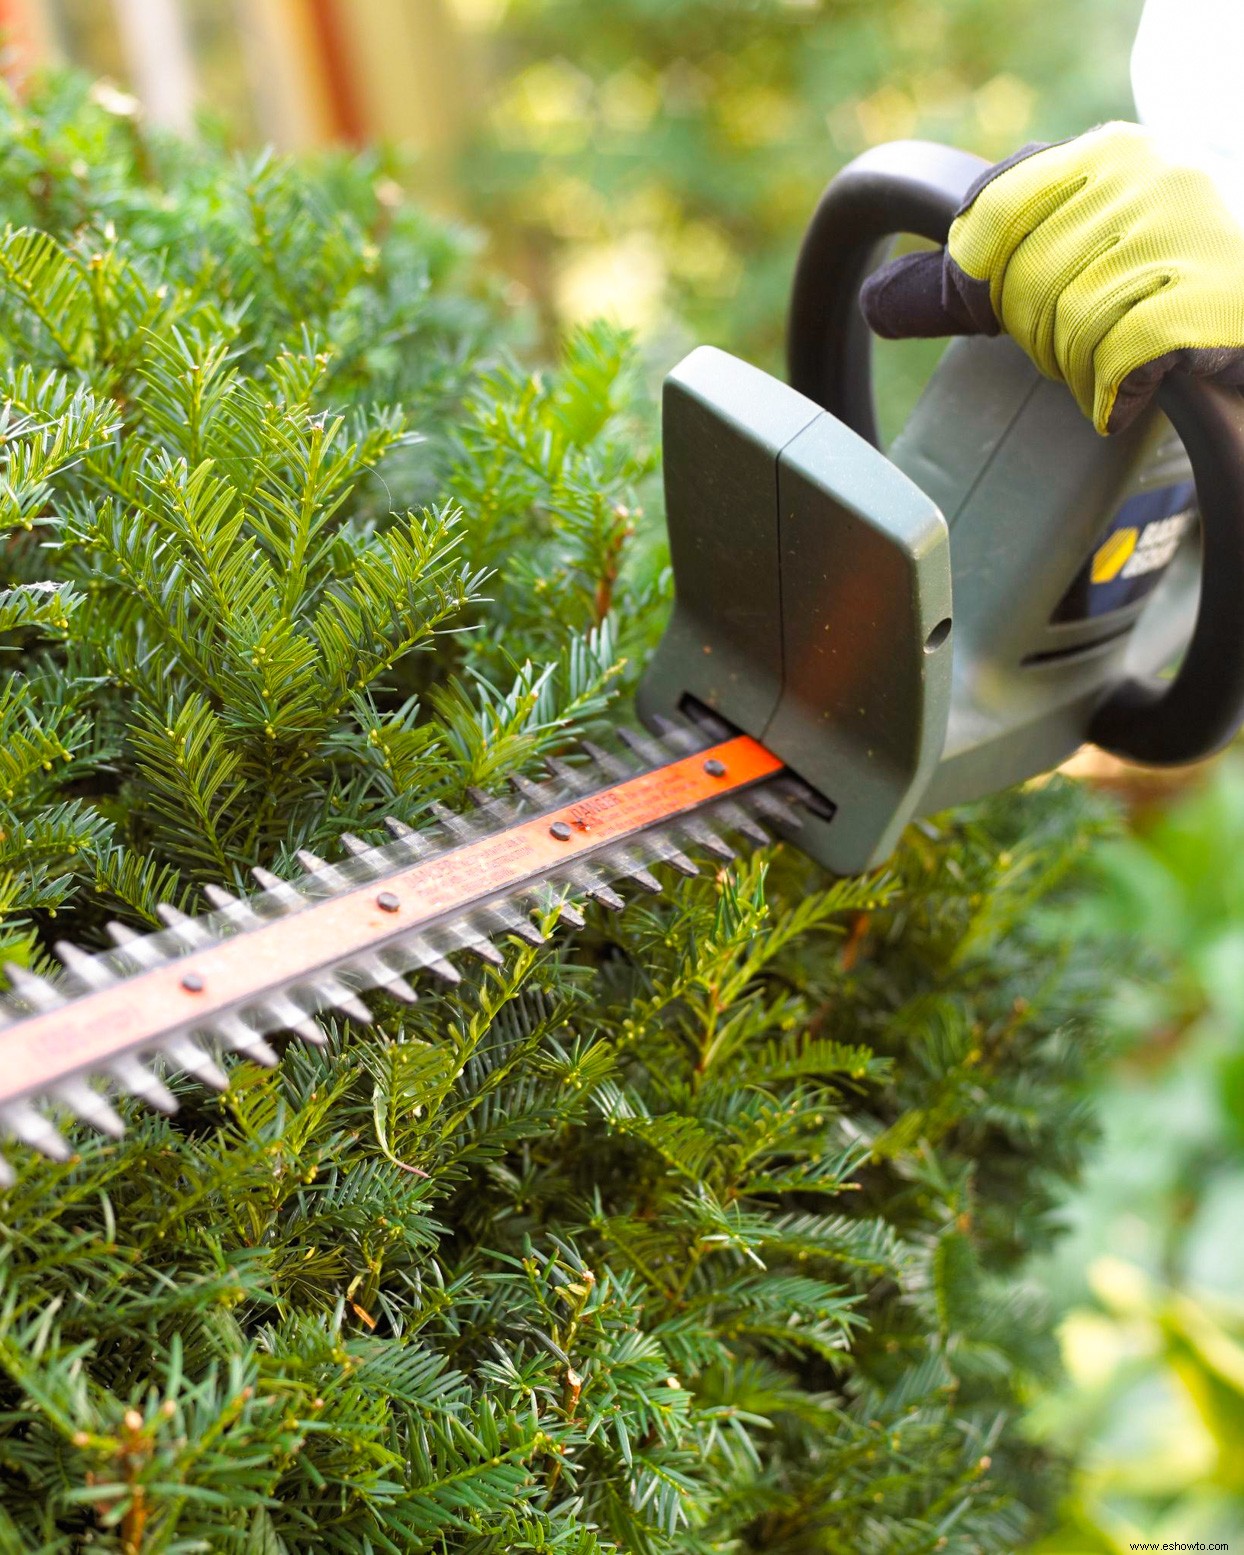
(699, 1231)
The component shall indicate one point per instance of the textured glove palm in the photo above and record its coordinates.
(1110, 266)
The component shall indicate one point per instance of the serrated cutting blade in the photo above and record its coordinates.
(274, 960)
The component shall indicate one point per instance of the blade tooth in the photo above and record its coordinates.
(423, 954)
(662, 725)
(279, 1013)
(329, 990)
(32, 989)
(512, 920)
(322, 872)
(678, 860)
(539, 794)
(188, 1055)
(658, 845)
(372, 967)
(526, 930)
(633, 869)
(575, 779)
(244, 1039)
(470, 935)
(691, 738)
(593, 885)
(29, 1125)
(86, 1103)
(491, 805)
(705, 837)
(650, 752)
(781, 811)
(370, 855)
(412, 842)
(280, 893)
(456, 825)
(90, 971)
(141, 949)
(619, 861)
(737, 818)
(235, 908)
(138, 1080)
(465, 935)
(567, 912)
(192, 932)
(615, 766)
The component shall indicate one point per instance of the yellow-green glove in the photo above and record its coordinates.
(1109, 265)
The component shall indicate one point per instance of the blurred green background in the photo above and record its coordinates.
(656, 160)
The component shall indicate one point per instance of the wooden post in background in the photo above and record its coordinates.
(283, 58)
(155, 43)
(316, 72)
(27, 38)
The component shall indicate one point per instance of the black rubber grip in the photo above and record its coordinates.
(910, 186)
(1168, 722)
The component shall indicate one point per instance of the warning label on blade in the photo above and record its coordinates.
(1132, 555)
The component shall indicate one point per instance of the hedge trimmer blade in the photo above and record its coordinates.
(271, 961)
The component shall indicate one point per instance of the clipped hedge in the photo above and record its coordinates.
(698, 1230)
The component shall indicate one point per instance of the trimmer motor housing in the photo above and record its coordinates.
(913, 630)
(812, 602)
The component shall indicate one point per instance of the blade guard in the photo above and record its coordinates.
(812, 601)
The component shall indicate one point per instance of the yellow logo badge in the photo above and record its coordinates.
(1114, 555)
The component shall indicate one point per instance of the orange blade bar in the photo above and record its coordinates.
(189, 992)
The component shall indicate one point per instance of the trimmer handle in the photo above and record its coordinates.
(906, 186)
(916, 187)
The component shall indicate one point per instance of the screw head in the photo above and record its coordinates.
(387, 902)
(715, 768)
(193, 982)
(560, 830)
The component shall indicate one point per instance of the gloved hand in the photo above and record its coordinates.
(1110, 266)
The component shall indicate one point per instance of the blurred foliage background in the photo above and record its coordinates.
(656, 160)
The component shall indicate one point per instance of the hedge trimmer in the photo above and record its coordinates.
(810, 679)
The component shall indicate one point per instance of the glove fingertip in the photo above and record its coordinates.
(903, 299)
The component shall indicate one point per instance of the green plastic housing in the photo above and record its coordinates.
(812, 600)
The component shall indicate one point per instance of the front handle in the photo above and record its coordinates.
(910, 186)
(917, 187)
